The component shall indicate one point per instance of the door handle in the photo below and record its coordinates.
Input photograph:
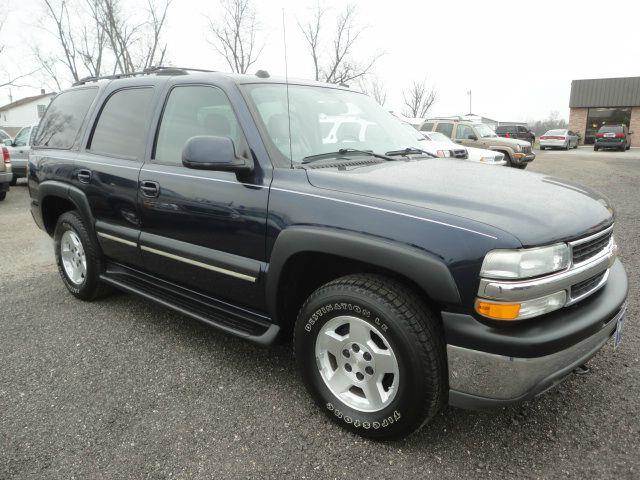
(149, 189)
(84, 176)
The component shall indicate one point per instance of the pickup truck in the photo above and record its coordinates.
(400, 280)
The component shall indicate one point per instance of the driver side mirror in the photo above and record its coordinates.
(206, 152)
(471, 136)
(7, 142)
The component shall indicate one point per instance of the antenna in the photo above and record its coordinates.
(286, 80)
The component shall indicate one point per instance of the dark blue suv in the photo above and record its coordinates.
(273, 210)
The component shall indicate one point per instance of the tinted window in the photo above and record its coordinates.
(426, 127)
(463, 132)
(445, 129)
(522, 129)
(191, 111)
(22, 137)
(63, 119)
(121, 129)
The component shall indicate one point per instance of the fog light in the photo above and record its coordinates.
(522, 310)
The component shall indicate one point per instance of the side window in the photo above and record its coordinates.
(63, 119)
(463, 132)
(121, 129)
(22, 137)
(426, 127)
(522, 129)
(194, 110)
(445, 129)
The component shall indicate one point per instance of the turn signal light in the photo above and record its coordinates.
(498, 311)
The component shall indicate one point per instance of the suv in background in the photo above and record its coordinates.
(516, 131)
(406, 281)
(613, 136)
(517, 153)
(19, 149)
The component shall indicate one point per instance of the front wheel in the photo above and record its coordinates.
(372, 355)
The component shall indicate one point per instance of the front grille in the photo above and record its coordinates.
(586, 286)
(585, 251)
(459, 153)
(526, 149)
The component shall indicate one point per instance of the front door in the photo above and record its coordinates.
(203, 229)
(465, 135)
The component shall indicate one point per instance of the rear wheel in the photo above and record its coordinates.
(3, 195)
(78, 257)
(595, 149)
(372, 355)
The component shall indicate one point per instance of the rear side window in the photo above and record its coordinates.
(63, 119)
(445, 129)
(121, 129)
(426, 127)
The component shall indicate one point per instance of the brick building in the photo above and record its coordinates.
(605, 101)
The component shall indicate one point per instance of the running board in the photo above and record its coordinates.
(223, 316)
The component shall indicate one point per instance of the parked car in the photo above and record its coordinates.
(19, 149)
(442, 148)
(406, 283)
(559, 138)
(5, 173)
(516, 131)
(613, 136)
(489, 157)
(4, 136)
(517, 153)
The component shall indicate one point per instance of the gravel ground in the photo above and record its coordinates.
(121, 388)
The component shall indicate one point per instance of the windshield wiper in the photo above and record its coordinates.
(409, 151)
(344, 151)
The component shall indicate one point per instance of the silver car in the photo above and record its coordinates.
(5, 172)
(559, 138)
(19, 149)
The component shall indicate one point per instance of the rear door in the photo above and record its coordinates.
(107, 169)
(204, 229)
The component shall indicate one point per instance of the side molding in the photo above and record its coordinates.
(424, 268)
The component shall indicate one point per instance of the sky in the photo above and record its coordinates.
(517, 58)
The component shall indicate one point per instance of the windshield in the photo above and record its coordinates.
(484, 131)
(325, 120)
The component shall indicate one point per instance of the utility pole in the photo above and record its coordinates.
(469, 93)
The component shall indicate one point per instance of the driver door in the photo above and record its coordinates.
(465, 135)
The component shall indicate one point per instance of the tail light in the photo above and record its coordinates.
(552, 137)
(619, 135)
(599, 135)
(5, 155)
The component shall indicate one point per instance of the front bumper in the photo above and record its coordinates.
(521, 158)
(491, 367)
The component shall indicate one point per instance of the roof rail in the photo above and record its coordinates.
(157, 70)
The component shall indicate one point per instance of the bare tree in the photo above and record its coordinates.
(418, 99)
(339, 65)
(234, 33)
(58, 12)
(374, 88)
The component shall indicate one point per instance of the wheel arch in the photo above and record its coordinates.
(302, 254)
(56, 198)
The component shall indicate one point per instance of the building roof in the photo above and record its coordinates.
(605, 92)
(25, 100)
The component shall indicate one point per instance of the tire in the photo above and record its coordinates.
(566, 147)
(87, 286)
(14, 181)
(3, 195)
(403, 327)
(521, 166)
(543, 148)
(595, 149)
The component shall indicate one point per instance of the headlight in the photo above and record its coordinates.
(443, 153)
(518, 148)
(525, 263)
(522, 310)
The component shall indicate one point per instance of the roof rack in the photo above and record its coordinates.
(158, 70)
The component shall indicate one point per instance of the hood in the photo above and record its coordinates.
(535, 208)
(507, 141)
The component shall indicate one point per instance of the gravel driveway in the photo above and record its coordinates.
(121, 388)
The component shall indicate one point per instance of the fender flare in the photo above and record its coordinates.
(427, 270)
(54, 188)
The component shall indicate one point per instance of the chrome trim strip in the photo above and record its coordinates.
(196, 263)
(602, 233)
(324, 198)
(598, 286)
(520, 290)
(118, 239)
(509, 378)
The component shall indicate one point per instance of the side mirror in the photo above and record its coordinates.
(8, 142)
(471, 136)
(207, 152)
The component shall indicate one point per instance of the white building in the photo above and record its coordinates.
(23, 112)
